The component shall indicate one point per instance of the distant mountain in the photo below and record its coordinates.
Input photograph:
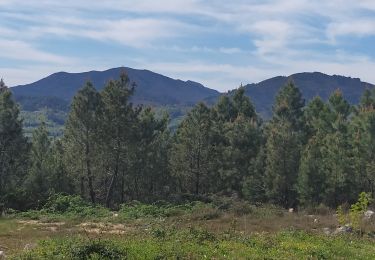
(152, 88)
(56, 91)
(313, 84)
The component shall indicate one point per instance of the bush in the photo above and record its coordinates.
(76, 248)
(97, 249)
(67, 206)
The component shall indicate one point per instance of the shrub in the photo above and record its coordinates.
(356, 212)
(97, 249)
(68, 206)
(76, 248)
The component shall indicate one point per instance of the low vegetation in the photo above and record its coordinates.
(223, 228)
(198, 244)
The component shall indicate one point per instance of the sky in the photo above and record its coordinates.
(218, 43)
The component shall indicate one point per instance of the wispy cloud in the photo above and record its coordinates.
(220, 43)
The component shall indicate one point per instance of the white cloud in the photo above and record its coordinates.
(283, 33)
(19, 50)
(361, 27)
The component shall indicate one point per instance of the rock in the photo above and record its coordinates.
(368, 214)
(29, 246)
(316, 220)
(291, 210)
(343, 229)
(2, 255)
(115, 215)
(327, 231)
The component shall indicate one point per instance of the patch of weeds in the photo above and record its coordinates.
(65, 206)
(321, 210)
(97, 249)
(136, 209)
(76, 248)
(159, 233)
(201, 235)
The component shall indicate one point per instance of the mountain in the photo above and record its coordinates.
(152, 88)
(57, 90)
(313, 84)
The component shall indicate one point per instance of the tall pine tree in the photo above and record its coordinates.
(283, 147)
(13, 151)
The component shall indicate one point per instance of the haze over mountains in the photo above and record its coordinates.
(158, 90)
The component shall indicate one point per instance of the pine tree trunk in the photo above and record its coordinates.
(111, 185)
(89, 174)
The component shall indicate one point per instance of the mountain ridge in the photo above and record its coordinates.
(311, 84)
(158, 90)
(152, 88)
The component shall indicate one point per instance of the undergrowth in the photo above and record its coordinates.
(200, 244)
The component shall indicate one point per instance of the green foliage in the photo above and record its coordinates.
(54, 120)
(13, 152)
(358, 209)
(192, 151)
(283, 148)
(342, 216)
(113, 152)
(356, 212)
(60, 206)
(76, 249)
(196, 243)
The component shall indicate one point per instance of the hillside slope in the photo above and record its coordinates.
(313, 84)
(152, 88)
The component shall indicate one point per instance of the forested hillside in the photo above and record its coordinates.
(50, 98)
(154, 89)
(311, 85)
(112, 152)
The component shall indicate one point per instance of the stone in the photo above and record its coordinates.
(29, 246)
(2, 255)
(344, 229)
(368, 214)
(291, 210)
(327, 231)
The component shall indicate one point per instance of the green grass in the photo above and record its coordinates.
(193, 244)
(68, 227)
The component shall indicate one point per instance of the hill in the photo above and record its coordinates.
(56, 91)
(152, 88)
(313, 84)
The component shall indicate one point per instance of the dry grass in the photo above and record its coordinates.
(16, 235)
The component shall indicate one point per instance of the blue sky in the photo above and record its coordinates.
(220, 44)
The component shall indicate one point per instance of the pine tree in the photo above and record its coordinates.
(81, 137)
(253, 188)
(337, 153)
(362, 134)
(13, 151)
(149, 166)
(192, 151)
(313, 173)
(60, 180)
(37, 182)
(118, 132)
(236, 140)
(283, 147)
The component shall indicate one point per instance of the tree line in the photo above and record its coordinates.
(113, 152)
